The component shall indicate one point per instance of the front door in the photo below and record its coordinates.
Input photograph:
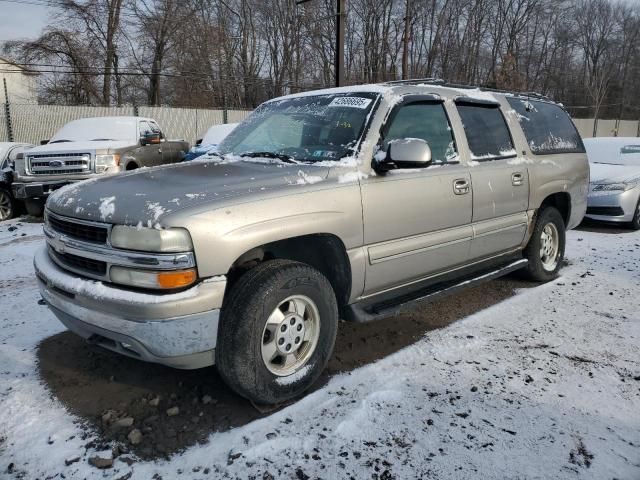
(417, 222)
(499, 177)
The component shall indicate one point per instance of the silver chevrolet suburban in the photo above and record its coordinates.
(91, 147)
(350, 203)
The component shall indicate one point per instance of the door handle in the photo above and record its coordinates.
(517, 179)
(461, 186)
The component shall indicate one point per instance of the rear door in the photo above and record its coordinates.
(499, 177)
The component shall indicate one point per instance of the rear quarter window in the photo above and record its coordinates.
(547, 127)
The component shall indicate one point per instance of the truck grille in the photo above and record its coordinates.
(59, 164)
(80, 231)
(82, 264)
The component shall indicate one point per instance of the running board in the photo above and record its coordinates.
(370, 309)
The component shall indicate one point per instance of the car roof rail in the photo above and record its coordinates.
(439, 82)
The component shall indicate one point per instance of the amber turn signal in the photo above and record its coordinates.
(173, 279)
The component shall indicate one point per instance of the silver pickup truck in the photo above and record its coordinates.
(350, 203)
(88, 148)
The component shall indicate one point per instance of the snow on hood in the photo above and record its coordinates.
(84, 146)
(608, 173)
(145, 196)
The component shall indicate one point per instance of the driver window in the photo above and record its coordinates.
(145, 129)
(427, 121)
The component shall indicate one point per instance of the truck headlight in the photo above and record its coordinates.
(103, 162)
(611, 187)
(168, 280)
(172, 240)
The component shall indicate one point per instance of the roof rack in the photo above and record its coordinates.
(443, 83)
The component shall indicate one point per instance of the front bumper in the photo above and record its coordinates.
(178, 330)
(23, 190)
(616, 206)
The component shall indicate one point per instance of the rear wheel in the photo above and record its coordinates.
(545, 249)
(635, 222)
(7, 205)
(34, 206)
(277, 332)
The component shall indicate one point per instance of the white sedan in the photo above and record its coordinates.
(614, 190)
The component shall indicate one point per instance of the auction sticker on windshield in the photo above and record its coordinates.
(355, 102)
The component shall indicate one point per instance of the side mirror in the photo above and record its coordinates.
(150, 139)
(405, 153)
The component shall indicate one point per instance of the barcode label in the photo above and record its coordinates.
(355, 102)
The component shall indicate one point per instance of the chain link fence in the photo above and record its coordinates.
(33, 123)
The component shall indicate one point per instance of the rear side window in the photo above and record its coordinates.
(487, 133)
(547, 127)
(427, 121)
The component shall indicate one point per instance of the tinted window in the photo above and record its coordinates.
(547, 127)
(486, 130)
(427, 121)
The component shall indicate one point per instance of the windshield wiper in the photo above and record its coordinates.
(279, 156)
(59, 141)
(103, 140)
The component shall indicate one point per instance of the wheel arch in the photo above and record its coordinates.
(561, 201)
(324, 251)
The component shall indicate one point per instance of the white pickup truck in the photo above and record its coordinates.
(91, 147)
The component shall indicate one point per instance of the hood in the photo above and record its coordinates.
(147, 195)
(607, 173)
(80, 147)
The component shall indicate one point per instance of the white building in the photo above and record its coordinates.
(20, 81)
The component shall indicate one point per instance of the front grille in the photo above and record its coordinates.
(608, 211)
(83, 264)
(59, 164)
(80, 231)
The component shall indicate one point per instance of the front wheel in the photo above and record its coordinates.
(635, 222)
(545, 249)
(7, 205)
(277, 332)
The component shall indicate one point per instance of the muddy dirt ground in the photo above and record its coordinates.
(114, 395)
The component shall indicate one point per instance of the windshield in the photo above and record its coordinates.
(96, 129)
(304, 129)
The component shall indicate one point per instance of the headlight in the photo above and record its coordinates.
(609, 187)
(103, 162)
(172, 240)
(153, 279)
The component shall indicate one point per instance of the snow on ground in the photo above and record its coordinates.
(545, 384)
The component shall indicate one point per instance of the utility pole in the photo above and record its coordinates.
(405, 42)
(341, 21)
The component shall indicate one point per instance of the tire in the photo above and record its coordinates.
(34, 206)
(245, 336)
(545, 254)
(7, 205)
(635, 222)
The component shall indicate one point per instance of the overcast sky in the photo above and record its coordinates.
(19, 21)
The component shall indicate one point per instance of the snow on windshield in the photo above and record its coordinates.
(101, 128)
(614, 150)
(308, 128)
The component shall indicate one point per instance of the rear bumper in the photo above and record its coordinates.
(178, 330)
(613, 206)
